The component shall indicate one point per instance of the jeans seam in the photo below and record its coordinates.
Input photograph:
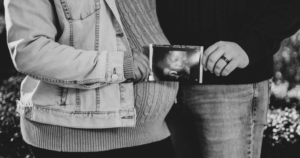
(254, 103)
(252, 120)
(250, 147)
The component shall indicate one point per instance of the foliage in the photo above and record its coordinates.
(282, 134)
(287, 62)
(11, 143)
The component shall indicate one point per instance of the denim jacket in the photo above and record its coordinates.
(77, 60)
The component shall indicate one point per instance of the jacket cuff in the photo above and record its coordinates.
(128, 66)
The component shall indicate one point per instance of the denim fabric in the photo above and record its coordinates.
(220, 121)
(76, 58)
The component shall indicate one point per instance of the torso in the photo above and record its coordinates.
(152, 100)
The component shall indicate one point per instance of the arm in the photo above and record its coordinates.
(278, 20)
(31, 39)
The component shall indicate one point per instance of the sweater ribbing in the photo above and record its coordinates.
(152, 100)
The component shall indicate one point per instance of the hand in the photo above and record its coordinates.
(141, 66)
(212, 58)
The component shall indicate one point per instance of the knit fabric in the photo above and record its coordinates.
(152, 100)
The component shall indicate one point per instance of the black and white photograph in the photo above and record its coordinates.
(150, 78)
(176, 63)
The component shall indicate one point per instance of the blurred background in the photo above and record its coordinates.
(281, 137)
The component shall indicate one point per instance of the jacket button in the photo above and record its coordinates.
(114, 77)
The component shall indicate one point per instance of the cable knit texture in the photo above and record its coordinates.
(152, 100)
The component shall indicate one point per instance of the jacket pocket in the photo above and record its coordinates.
(80, 9)
(48, 95)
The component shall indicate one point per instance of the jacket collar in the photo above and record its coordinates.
(113, 8)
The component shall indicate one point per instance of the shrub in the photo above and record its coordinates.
(11, 142)
(282, 134)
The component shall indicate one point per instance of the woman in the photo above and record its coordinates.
(80, 58)
(226, 116)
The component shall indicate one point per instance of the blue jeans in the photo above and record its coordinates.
(219, 121)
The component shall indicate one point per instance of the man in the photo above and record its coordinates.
(227, 113)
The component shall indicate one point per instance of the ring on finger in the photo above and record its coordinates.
(220, 65)
(225, 59)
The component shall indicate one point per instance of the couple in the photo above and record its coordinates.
(85, 95)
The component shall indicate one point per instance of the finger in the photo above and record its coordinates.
(143, 59)
(137, 74)
(221, 64)
(142, 65)
(143, 56)
(146, 64)
(232, 65)
(213, 58)
(143, 70)
(146, 59)
(207, 53)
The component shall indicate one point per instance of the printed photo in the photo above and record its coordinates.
(171, 63)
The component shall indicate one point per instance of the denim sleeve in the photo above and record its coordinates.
(31, 33)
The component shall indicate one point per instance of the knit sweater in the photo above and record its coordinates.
(258, 26)
(152, 100)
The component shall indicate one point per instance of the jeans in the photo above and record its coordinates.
(219, 121)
